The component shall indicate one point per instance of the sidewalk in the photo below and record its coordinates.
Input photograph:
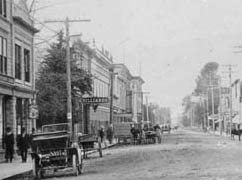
(215, 133)
(8, 170)
(17, 168)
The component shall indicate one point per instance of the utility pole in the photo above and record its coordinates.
(220, 108)
(207, 106)
(68, 72)
(229, 66)
(231, 101)
(212, 94)
(112, 74)
(147, 110)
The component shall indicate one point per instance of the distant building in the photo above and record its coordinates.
(137, 98)
(122, 94)
(163, 115)
(127, 92)
(236, 101)
(225, 108)
(16, 67)
(100, 69)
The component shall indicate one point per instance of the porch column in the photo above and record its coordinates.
(1, 119)
(13, 115)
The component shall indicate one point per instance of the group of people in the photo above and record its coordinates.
(140, 133)
(24, 142)
(109, 134)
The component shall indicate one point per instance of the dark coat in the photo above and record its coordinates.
(23, 142)
(9, 141)
(110, 132)
(101, 133)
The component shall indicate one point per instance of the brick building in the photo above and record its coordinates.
(16, 67)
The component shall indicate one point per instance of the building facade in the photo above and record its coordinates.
(113, 82)
(122, 95)
(16, 67)
(236, 102)
(137, 99)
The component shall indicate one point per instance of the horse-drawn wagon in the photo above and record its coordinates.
(90, 142)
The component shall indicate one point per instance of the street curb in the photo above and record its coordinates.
(107, 147)
(26, 174)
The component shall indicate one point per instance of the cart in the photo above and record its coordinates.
(150, 136)
(54, 151)
(89, 143)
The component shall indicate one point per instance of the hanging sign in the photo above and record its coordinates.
(33, 111)
(94, 100)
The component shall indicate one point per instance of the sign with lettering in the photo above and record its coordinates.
(33, 111)
(94, 100)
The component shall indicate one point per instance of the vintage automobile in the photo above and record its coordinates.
(55, 151)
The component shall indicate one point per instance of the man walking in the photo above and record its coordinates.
(9, 144)
(23, 145)
(158, 133)
(110, 134)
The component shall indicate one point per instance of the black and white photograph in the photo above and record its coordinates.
(121, 89)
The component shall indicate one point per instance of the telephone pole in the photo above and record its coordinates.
(212, 94)
(230, 66)
(67, 21)
(147, 110)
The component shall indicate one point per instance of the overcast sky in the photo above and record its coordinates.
(171, 39)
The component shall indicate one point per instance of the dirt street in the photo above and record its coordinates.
(182, 155)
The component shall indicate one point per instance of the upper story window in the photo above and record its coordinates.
(3, 56)
(26, 65)
(3, 8)
(17, 61)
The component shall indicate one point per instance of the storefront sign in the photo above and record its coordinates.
(33, 111)
(94, 100)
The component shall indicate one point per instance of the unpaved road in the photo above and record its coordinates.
(182, 155)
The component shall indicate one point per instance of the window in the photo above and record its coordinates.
(26, 65)
(3, 56)
(3, 8)
(17, 61)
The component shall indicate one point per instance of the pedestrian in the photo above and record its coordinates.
(134, 132)
(101, 133)
(110, 134)
(158, 133)
(9, 145)
(23, 144)
(31, 139)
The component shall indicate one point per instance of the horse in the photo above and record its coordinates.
(237, 132)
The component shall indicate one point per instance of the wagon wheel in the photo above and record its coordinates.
(35, 169)
(77, 167)
(75, 164)
(80, 166)
(100, 149)
(37, 172)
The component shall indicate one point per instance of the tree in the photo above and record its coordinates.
(208, 82)
(206, 79)
(51, 84)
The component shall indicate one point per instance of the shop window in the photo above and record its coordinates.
(17, 61)
(26, 65)
(3, 56)
(19, 115)
(3, 8)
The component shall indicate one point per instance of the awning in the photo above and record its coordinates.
(123, 115)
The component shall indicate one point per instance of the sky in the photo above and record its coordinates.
(167, 42)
